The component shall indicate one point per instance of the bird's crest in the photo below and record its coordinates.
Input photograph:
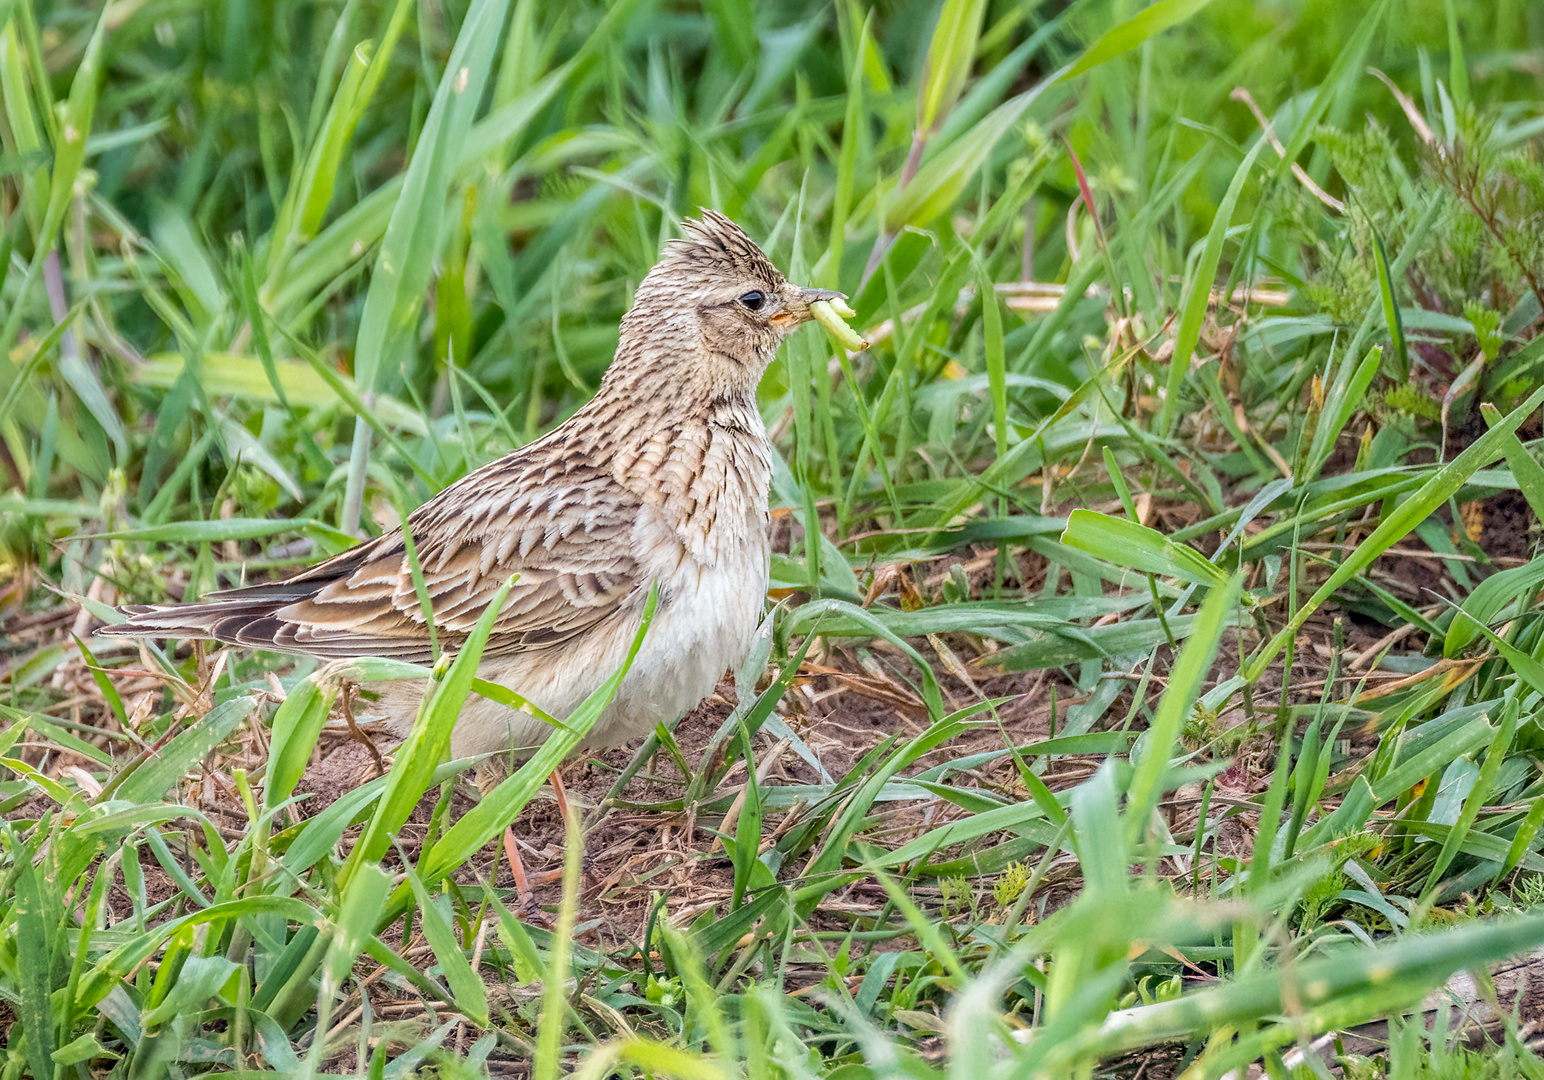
(718, 243)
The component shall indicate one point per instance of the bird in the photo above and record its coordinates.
(661, 479)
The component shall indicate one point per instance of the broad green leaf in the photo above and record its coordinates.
(1116, 639)
(948, 62)
(1431, 759)
(734, 29)
(1511, 588)
(1123, 37)
(93, 395)
(1023, 818)
(747, 838)
(938, 184)
(1126, 543)
(192, 270)
(150, 776)
(245, 448)
(207, 532)
(320, 834)
(296, 725)
(34, 911)
(1526, 470)
(313, 194)
(402, 268)
(992, 617)
(363, 897)
(1524, 666)
(471, 997)
(111, 969)
(1104, 855)
(27, 139)
(74, 128)
(527, 962)
(199, 979)
(1476, 799)
(412, 242)
(81, 1050)
(1344, 396)
(1391, 316)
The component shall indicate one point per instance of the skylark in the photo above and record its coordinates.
(662, 477)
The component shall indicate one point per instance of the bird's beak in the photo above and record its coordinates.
(796, 305)
(810, 296)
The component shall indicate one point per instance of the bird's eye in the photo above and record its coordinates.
(753, 300)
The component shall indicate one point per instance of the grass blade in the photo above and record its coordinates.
(1198, 292)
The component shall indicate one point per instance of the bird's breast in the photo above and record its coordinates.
(712, 568)
(707, 477)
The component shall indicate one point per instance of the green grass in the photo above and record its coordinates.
(1182, 518)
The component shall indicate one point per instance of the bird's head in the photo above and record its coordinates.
(715, 282)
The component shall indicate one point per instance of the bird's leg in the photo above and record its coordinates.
(560, 796)
(487, 777)
(522, 883)
(512, 851)
(354, 730)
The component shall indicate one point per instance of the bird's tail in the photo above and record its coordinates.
(266, 617)
(245, 616)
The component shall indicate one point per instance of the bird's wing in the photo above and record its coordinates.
(568, 540)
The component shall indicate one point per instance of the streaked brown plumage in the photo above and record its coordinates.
(662, 476)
